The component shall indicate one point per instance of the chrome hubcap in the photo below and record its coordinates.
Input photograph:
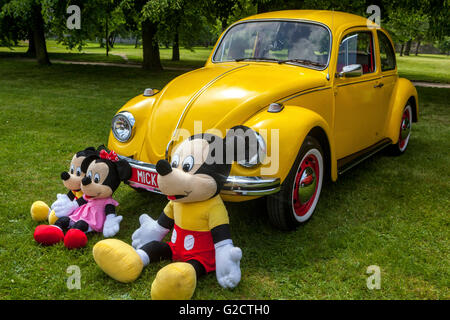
(307, 185)
(406, 128)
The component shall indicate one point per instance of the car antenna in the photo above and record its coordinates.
(332, 26)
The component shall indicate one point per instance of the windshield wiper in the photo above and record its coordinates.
(256, 59)
(302, 61)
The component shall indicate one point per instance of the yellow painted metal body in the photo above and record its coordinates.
(222, 95)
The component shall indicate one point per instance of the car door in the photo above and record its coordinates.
(356, 96)
(388, 66)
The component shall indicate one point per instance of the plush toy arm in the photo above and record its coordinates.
(112, 222)
(151, 230)
(63, 206)
(228, 257)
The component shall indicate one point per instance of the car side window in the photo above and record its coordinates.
(357, 48)
(387, 54)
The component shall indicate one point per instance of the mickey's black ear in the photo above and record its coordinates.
(238, 144)
(86, 152)
(124, 170)
(89, 151)
(87, 161)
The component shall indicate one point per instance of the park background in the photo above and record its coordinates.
(60, 88)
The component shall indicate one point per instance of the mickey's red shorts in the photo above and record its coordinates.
(198, 245)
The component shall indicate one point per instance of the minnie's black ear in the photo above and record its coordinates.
(102, 147)
(86, 162)
(124, 170)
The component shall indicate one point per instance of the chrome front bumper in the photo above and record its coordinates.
(235, 185)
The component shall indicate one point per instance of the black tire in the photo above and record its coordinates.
(282, 212)
(406, 123)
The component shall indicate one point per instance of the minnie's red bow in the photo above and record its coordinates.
(109, 156)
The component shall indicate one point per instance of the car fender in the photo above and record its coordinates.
(140, 107)
(290, 126)
(403, 91)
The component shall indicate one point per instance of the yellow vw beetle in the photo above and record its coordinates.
(317, 91)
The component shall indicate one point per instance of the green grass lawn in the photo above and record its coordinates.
(93, 53)
(425, 67)
(389, 211)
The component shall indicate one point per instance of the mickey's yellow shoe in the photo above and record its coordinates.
(52, 217)
(39, 211)
(176, 281)
(118, 259)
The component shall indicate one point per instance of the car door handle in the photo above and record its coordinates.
(379, 85)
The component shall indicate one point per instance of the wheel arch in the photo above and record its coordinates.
(404, 93)
(320, 135)
(309, 123)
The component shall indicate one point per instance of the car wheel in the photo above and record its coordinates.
(299, 194)
(405, 132)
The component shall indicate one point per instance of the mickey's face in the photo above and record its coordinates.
(72, 179)
(181, 180)
(93, 186)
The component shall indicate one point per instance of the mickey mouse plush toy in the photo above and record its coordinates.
(201, 240)
(72, 181)
(104, 172)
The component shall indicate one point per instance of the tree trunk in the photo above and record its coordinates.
(176, 46)
(106, 37)
(39, 35)
(31, 52)
(417, 48)
(401, 50)
(151, 59)
(408, 47)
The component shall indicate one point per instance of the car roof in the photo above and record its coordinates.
(333, 19)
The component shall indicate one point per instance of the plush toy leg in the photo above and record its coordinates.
(118, 260)
(39, 211)
(52, 217)
(76, 237)
(48, 235)
(176, 281)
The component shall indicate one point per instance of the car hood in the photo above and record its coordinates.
(220, 97)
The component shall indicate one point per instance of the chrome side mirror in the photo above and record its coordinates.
(351, 71)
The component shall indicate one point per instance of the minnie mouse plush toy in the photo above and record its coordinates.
(74, 198)
(104, 172)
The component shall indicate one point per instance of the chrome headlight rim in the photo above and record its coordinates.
(128, 118)
(260, 155)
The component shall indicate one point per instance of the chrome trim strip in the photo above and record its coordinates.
(279, 19)
(191, 101)
(235, 185)
(357, 82)
(301, 93)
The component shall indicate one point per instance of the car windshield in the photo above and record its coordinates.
(300, 43)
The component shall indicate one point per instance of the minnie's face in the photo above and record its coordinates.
(92, 185)
(72, 179)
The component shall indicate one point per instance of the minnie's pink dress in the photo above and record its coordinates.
(93, 212)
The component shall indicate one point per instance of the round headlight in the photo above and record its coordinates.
(122, 126)
(250, 146)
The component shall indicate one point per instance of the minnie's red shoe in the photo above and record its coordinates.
(75, 239)
(48, 234)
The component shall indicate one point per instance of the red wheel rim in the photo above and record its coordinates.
(306, 185)
(405, 128)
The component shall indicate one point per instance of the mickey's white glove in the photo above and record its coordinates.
(111, 225)
(63, 206)
(150, 230)
(228, 257)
